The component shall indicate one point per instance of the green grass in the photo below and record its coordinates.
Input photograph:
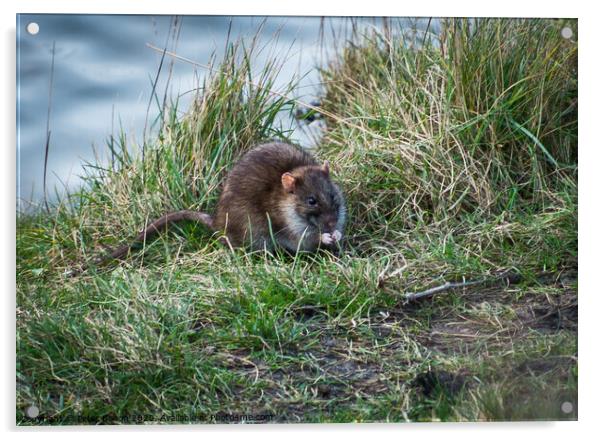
(458, 160)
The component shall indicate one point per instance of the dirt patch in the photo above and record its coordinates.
(550, 317)
(432, 382)
(538, 367)
(495, 317)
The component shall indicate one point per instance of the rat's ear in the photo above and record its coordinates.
(288, 182)
(326, 167)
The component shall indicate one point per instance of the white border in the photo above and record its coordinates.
(441, 8)
(589, 214)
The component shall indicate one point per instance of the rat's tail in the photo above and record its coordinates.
(161, 224)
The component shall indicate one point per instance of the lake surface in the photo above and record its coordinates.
(103, 75)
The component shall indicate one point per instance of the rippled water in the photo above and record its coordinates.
(103, 73)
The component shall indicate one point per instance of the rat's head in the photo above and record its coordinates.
(315, 198)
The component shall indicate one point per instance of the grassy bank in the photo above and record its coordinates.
(459, 161)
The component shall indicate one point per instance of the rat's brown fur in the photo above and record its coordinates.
(257, 208)
(265, 203)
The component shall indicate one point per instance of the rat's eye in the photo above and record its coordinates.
(311, 201)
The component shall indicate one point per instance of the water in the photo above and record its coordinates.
(103, 73)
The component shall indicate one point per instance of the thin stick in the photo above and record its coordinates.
(510, 277)
(282, 95)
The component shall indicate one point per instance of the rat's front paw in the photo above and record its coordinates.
(327, 238)
(336, 235)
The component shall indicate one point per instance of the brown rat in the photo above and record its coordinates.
(280, 186)
(276, 195)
